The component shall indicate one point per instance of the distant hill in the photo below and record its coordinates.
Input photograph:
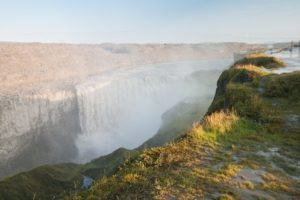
(25, 65)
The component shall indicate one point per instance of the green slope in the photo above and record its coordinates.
(56, 181)
(30, 185)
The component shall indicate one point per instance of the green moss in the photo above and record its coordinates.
(244, 100)
(285, 85)
(238, 85)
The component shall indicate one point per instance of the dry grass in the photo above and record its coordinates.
(257, 55)
(251, 68)
(220, 122)
(131, 178)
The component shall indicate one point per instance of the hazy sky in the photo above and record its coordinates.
(144, 21)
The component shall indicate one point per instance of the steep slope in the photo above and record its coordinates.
(56, 181)
(247, 147)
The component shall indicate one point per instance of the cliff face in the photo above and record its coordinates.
(248, 151)
(37, 129)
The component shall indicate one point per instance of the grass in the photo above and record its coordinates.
(245, 100)
(220, 122)
(239, 84)
(186, 169)
(249, 68)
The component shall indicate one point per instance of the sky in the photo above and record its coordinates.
(149, 21)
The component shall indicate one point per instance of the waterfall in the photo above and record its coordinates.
(115, 108)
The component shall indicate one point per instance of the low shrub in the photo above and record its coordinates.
(244, 100)
(285, 85)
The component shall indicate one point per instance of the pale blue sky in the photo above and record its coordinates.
(148, 21)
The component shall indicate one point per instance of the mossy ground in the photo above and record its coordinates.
(248, 151)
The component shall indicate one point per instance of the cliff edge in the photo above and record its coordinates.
(247, 146)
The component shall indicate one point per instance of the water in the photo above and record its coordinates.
(86, 182)
(291, 58)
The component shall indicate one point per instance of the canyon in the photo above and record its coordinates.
(72, 103)
(234, 138)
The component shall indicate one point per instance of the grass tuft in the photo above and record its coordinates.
(219, 122)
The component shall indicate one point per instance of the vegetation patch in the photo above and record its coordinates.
(200, 164)
(285, 85)
(261, 60)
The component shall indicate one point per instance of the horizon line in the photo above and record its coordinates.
(144, 43)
